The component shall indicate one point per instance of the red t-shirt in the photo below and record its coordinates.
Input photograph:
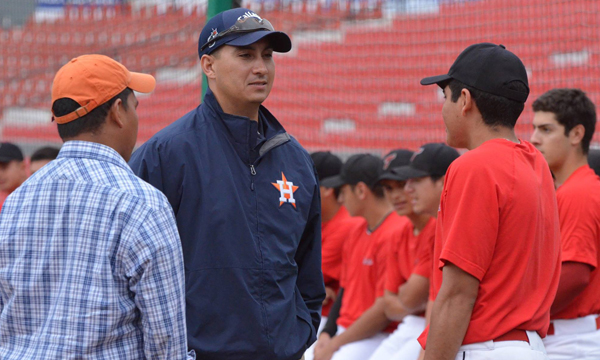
(498, 221)
(333, 234)
(410, 254)
(579, 212)
(363, 268)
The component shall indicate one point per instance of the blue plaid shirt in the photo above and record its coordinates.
(90, 264)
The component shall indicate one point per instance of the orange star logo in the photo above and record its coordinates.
(286, 190)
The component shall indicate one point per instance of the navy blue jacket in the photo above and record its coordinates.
(254, 285)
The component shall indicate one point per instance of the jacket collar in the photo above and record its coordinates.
(242, 130)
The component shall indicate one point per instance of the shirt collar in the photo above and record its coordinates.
(94, 151)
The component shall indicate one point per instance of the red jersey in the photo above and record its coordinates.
(579, 212)
(410, 254)
(498, 221)
(363, 268)
(333, 234)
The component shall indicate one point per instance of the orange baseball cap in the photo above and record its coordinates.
(92, 80)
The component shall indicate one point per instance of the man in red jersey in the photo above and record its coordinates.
(361, 325)
(563, 126)
(497, 248)
(409, 262)
(336, 226)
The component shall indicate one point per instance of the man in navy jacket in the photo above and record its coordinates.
(246, 199)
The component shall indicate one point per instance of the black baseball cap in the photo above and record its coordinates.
(360, 167)
(240, 27)
(430, 160)
(395, 159)
(489, 68)
(10, 152)
(327, 164)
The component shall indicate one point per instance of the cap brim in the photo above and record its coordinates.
(408, 172)
(435, 79)
(390, 176)
(279, 40)
(333, 182)
(143, 83)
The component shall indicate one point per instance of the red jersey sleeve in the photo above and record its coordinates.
(424, 261)
(381, 262)
(469, 216)
(393, 278)
(578, 228)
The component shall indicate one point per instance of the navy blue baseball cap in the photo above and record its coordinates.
(240, 27)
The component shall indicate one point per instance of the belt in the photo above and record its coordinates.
(514, 335)
(551, 327)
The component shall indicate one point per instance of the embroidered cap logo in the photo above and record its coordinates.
(286, 191)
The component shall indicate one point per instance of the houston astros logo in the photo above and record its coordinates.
(286, 191)
(213, 34)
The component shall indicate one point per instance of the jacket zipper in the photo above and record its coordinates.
(252, 172)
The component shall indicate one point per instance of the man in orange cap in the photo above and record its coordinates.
(91, 264)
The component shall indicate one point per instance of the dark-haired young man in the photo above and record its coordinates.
(91, 264)
(408, 267)
(362, 324)
(336, 227)
(246, 198)
(12, 169)
(563, 125)
(497, 250)
(41, 157)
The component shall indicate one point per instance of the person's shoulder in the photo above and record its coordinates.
(143, 193)
(351, 224)
(299, 149)
(490, 157)
(583, 185)
(184, 126)
(394, 225)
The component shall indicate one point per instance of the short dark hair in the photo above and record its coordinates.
(435, 178)
(89, 123)
(45, 153)
(571, 107)
(495, 110)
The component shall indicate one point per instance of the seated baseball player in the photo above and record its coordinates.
(563, 125)
(336, 226)
(414, 188)
(361, 325)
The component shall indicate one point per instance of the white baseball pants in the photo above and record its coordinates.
(359, 350)
(402, 344)
(575, 339)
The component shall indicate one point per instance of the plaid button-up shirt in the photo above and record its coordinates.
(90, 264)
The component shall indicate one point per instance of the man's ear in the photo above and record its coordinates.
(327, 192)
(466, 101)
(576, 134)
(114, 113)
(361, 190)
(207, 62)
